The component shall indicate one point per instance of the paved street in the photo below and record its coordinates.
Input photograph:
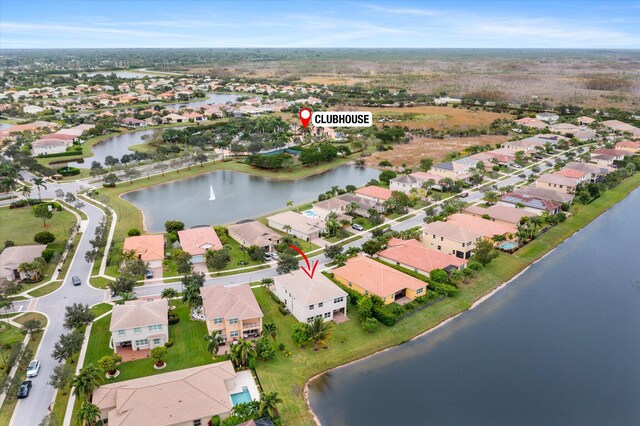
(31, 410)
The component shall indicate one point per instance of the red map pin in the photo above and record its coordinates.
(305, 116)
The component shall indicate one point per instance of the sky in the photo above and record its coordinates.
(319, 24)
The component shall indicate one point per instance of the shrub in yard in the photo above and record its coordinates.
(442, 288)
(133, 232)
(159, 353)
(265, 349)
(370, 325)
(173, 319)
(44, 237)
(168, 343)
(283, 311)
(9, 243)
(47, 254)
(274, 297)
(215, 421)
(281, 347)
(385, 317)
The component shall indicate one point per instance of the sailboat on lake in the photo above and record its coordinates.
(212, 196)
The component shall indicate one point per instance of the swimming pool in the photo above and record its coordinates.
(508, 246)
(310, 213)
(241, 397)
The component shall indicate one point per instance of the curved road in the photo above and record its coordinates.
(31, 410)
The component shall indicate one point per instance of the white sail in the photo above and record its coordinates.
(212, 196)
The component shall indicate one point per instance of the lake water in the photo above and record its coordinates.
(560, 345)
(238, 196)
(116, 146)
(212, 98)
(5, 126)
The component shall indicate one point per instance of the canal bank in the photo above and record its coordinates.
(277, 375)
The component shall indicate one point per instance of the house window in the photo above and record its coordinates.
(137, 330)
(197, 423)
(366, 292)
(310, 320)
(233, 321)
(463, 244)
(155, 327)
(327, 314)
(156, 341)
(338, 300)
(320, 305)
(234, 334)
(419, 291)
(439, 247)
(121, 332)
(441, 238)
(434, 236)
(217, 321)
(311, 307)
(142, 342)
(349, 283)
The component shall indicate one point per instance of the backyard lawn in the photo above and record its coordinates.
(8, 336)
(189, 349)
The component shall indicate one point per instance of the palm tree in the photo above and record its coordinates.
(319, 332)
(241, 352)
(269, 404)
(87, 380)
(213, 345)
(88, 414)
(456, 276)
(266, 282)
(289, 204)
(39, 183)
(25, 190)
(169, 293)
(192, 296)
(270, 329)
(334, 189)
(287, 228)
(8, 184)
(352, 207)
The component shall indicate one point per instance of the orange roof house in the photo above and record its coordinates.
(487, 228)
(374, 192)
(370, 277)
(196, 241)
(149, 248)
(413, 255)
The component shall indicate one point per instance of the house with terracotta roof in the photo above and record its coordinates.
(501, 214)
(370, 277)
(530, 203)
(196, 242)
(309, 298)
(133, 122)
(531, 122)
(299, 225)
(139, 325)
(559, 182)
(488, 228)
(632, 147)
(546, 194)
(593, 172)
(233, 311)
(612, 154)
(183, 397)
(149, 248)
(621, 127)
(253, 233)
(411, 254)
(364, 204)
(374, 193)
(450, 238)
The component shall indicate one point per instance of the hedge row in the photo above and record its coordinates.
(69, 171)
(61, 154)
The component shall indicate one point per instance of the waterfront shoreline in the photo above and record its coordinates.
(477, 302)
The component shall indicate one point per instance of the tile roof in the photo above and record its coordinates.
(557, 179)
(529, 201)
(501, 213)
(451, 231)
(587, 167)
(308, 291)
(147, 247)
(571, 173)
(197, 241)
(375, 277)
(255, 233)
(298, 222)
(334, 203)
(177, 397)
(545, 193)
(375, 192)
(138, 313)
(416, 255)
(487, 228)
(230, 302)
(12, 257)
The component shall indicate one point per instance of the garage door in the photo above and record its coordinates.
(197, 259)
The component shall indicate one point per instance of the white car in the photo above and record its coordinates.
(33, 369)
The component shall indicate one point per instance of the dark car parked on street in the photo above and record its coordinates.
(25, 387)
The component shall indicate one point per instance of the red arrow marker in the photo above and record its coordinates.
(305, 116)
(309, 270)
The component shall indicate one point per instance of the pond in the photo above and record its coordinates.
(238, 196)
(211, 98)
(557, 346)
(116, 146)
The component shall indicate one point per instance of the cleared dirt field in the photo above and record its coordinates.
(439, 118)
(411, 153)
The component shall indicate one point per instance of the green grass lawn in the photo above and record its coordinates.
(44, 290)
(8, 336)
(20, 225)
(239, 258)
(189, 349)
(101, 308)
(9, 404)
(288, 376)
(99, 282)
